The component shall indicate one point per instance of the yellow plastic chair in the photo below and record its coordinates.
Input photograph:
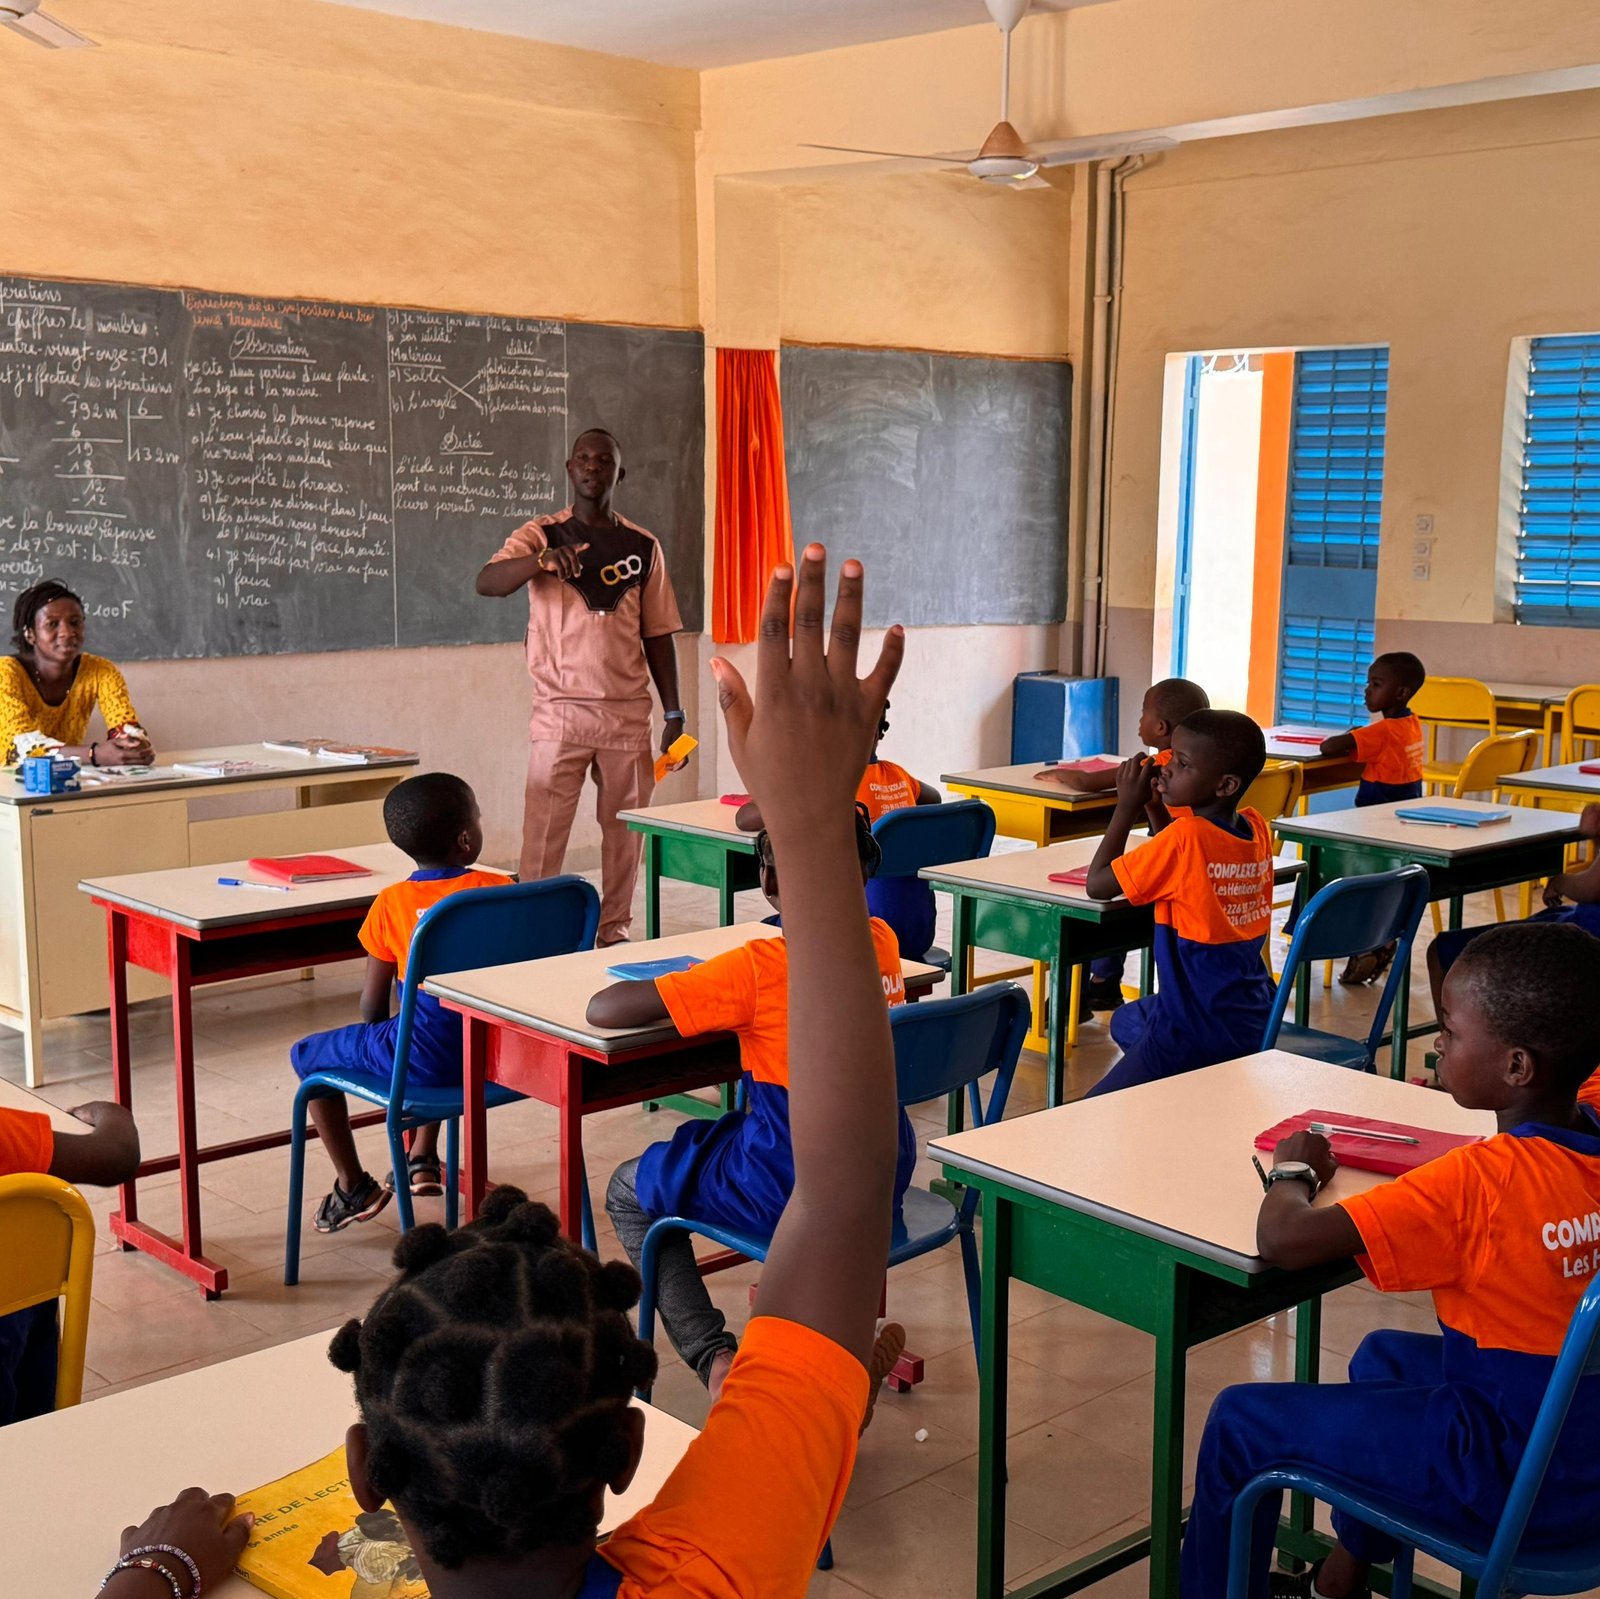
(1488, 764)
(47, 1253)
(1276, 792)
(1580, 723)
(1451, 702)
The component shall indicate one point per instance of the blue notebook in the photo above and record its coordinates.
(1451, 816)
(649, 971)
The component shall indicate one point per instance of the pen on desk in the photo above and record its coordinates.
(239, 882)
(1328, 1129)
(1261, 1172)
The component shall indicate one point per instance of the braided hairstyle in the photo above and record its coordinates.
(29, 604)
(494, 1377)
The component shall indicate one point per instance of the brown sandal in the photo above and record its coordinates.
(889, 1346)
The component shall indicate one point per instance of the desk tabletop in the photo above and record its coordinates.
(191, 896)
(1279, 749)
(1568, 779)
(1528, 693)
(1023, 779)
(705, 818)
(74, 1479)
(14, 1098)
(552, 995)
(284, 768)
(1025, 874)
(1170, 1160)
(1378, 824)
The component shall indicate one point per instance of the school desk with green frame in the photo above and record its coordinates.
(697, 841)
(1459, 861)
(1567, 785)
(75, 1478)
(51, 937)
(1142, 1206)
(1008, 903)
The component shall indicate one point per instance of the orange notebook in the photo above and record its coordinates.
(307, 868)
(1372, 1154)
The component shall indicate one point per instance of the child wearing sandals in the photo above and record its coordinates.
(493, 1377)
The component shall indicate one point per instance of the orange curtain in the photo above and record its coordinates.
(753, 531)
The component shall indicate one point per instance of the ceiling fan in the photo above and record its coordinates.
(25, 17)
(1004, 157)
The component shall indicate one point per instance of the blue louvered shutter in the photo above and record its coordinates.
(1330, 547)
(1558, 513)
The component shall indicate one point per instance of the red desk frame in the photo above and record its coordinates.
(191, 958)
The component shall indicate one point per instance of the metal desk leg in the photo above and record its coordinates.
(652, 884)
(1166, 1463)
(1307, 1367)
(963, 915)
(188, 1130)
(121, 1059)
(474, 1115)
(995, 1327)
(1064, 996)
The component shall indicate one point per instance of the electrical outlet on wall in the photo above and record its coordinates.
(1424, 523)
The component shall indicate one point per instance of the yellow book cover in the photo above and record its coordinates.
(312, 1540)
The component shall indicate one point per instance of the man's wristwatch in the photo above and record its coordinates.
(1296, 1171)
(674, 716)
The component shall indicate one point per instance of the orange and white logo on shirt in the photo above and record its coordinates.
(886, 787)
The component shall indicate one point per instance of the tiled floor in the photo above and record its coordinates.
(1080, 1386)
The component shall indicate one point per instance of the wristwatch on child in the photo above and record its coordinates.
(1296, 1171)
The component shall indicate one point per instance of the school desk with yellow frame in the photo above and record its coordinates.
(1142, 1206)
(53, 941)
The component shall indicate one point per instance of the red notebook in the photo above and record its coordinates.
(735, 799)
(1093, 765)
(1592, 768)
(1301, 738)
(307, 868)
(1372, 1154)
(1078, 877)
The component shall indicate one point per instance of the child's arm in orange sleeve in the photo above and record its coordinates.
(627, 1004)
(927, 794)
(1134, 792)
(1290, 1233)
(1340, 744)
(109, 1154)
(801, 745)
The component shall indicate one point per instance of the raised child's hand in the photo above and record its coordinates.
(203, 1526)
(803, 740)
(1136, 781)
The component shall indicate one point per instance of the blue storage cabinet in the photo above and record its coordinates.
(1058, 718)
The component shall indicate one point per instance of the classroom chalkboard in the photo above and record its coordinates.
(946, 474)
(220, 474)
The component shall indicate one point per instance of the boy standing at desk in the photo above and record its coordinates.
(1499, 1230)
(434, 819)
(739, 1169)
(108, 1154)
(1209, 876)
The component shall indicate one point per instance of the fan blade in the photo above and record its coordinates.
(894, 155)
(35, 25)
(1035, 182)
(1069, 152)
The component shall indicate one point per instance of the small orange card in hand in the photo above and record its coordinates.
(680, 749)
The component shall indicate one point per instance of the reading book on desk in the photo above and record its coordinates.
(1298, 735)
(1078, 877)
(311, 1538)
(1091, 767)
(1385, 1154)
(1451, 816)
(649, 971)
(360, 754)
(223, 768)
(307, 868)
(299, 746)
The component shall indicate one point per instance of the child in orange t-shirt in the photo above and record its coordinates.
(1390, 749)
(29, 1339)
(434, 819)
(1503, 1232)
(494, 1375)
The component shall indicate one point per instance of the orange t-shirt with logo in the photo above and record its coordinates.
(749, 1507)
(386, 933)
(1209, 885)
(1390, 749)
(27, 1142)
(887, 787)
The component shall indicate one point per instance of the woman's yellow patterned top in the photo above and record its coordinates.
(22, 711)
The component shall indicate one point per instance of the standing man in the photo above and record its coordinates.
(601, 614)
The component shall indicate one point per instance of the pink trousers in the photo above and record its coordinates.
(624, 780)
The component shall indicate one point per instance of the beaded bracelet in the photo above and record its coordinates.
(129, 1563)
(181, 1555)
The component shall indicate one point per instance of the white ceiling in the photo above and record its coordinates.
(702, 33)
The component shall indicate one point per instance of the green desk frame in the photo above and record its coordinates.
(1179, 1297)
(1449, 877)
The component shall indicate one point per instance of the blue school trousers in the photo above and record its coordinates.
(30, 1343)
(369, 1047)
(1440, 1451)
(1386, 793)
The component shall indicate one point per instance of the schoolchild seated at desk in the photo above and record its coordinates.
(739, 1169)
(106, 1155)
(494, 1375)
(1164, 706)
(1208, 876)
(435, 820)
(1436, 1425)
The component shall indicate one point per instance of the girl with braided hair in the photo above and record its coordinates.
(493, 1375)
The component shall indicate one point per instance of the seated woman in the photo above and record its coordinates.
(48, 685)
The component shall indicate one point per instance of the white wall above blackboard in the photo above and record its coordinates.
(945, 474)
(223, 475)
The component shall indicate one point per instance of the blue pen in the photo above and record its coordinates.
(239, 882)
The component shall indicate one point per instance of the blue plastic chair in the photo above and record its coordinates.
(940, 1047)
(477, 927)
(1344, 918)
(932, 835)
(1504, 1567)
